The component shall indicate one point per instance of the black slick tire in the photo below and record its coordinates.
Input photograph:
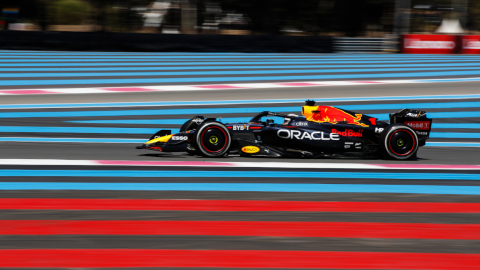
(212, 139)
(398, 142)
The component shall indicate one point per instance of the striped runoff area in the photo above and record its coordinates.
(30, 72)
(75, 194)
(228, 214)
(456, 118)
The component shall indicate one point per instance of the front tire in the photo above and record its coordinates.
(398, 142)
(213, 139)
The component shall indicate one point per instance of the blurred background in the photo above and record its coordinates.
(349, 18)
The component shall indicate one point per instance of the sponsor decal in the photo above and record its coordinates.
(349, 132)
(348, 142)
(416, 114)
(472, 44)
(418, 43)
(421, 132)
(240, 127)
(333, 115)
(250, 149)
(301, 124)
(179, 138)
(358, 145)
(347, 146)
(420, 125)
(379, 130)
(412, 43)
(299, 135)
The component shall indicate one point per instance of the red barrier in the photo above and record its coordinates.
(247, 259)
(243, 228)
(470, 44)
(237, 205)
(430, 44)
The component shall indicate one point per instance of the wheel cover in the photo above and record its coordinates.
(213, 139)
(401, 142)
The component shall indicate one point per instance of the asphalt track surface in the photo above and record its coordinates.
(211, 216)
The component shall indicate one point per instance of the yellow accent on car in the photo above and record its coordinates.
(250, 149)
(160, 139)
(307, 111)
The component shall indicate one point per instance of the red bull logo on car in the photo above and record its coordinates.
(349, 132)
(329, 114)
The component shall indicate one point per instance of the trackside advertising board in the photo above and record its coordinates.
(431, 44)
(470, 44)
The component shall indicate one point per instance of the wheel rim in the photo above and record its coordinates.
(401, 142)
(213, 139)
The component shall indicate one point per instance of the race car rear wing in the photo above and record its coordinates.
(415, 119)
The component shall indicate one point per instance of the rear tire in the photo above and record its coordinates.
(398, 142)
(212, 139)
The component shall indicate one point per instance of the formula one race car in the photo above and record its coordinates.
(322, 131)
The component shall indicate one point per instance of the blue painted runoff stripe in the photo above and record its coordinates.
(235, 79)
(246, 187)
(326, 55)
(166, 121)
(237, 67)
(453, 114)
(452, 144)
(178, 103)
(210, 56)
(239, 120)
(192, 58)
(168, 57)
(104, 130)
(71, 140)
(457, 125)
(195, 63)
(436, 105)
(219, 72)
(217, 111)
(454, 135)
(357, 108)
(452, 80)
(147, 112)
(433, 115)
(27, 54)
(245, 174)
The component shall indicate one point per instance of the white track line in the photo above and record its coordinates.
(276, 165)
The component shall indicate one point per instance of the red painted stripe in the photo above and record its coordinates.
(236, 205)
(242, 228)
(96, 258)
